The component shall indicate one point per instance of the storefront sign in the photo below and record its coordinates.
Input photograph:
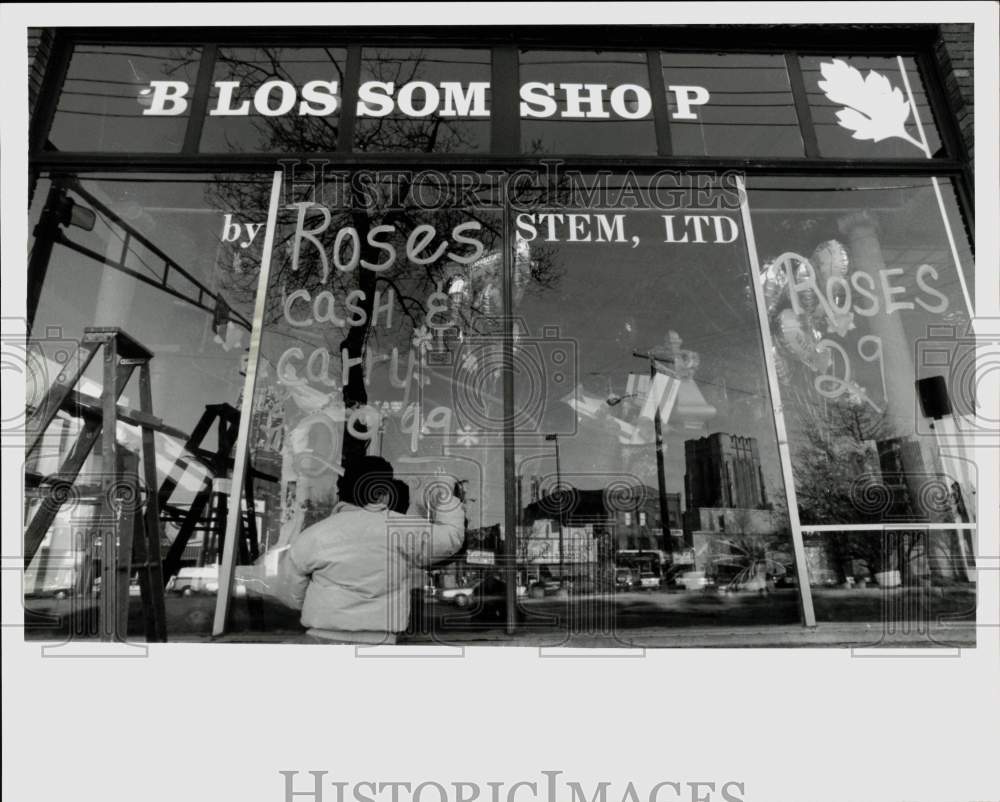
(417, 99)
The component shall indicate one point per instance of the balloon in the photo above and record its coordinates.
(792, 335)
(781, 366)
(831, 258)
(775, 281)
(807, 297)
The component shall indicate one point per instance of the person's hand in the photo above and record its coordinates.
(444, 494)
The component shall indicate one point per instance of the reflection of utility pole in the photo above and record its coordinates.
(661, 474)
(554, 438)
(59, 211)
(381, 432)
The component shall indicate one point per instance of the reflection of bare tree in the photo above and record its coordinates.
(252, 68)
(836, 450)
(835, 446)
(396, 132)
(363, 210)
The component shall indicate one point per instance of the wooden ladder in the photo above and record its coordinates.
(129, 525)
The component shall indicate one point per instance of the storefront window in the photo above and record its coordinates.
(382, 319)
(103, 103)
(645, 432)
(429, 100)
(911, 582)
(595, 102)
(868, 107)
(634, 380)
(746, 107)
(164, 262)
(258, 97)
(863, 292)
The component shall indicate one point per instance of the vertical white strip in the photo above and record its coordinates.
(961, 443)
(227, 569)
(937, 192)
(913, 105)
(798, 547)
(954, 251)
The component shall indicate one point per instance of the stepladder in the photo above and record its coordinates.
(119, 537)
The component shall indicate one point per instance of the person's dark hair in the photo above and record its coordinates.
(366, 480)
(400, 501)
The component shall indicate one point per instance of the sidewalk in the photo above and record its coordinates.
(835, 635)
(861, 619)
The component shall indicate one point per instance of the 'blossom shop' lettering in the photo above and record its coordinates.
(320, 98)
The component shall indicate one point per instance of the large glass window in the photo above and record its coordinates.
(867, 304)
(869, 107)
(382, 319)
(171, 262)
(104, 100)
(427, 100)
(644, 421)
(275, 100)
(595, 102)
(859, 281)
(645, 448)
(745, 108)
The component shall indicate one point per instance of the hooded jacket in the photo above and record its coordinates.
(353, 571)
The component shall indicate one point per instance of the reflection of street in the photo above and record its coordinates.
(738, 619)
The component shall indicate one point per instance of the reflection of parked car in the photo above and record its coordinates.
(625, 579)
(671, 577)
(649, 581)
(189, 581)
(51, 592)
(785, 580)
(460, 597)
(486, 603)
(42, 579)
(694, 580)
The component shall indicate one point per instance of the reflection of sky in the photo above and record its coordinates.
(611, 300)
(99, 108)
(189, 369)
(751, 110)
(611, 135)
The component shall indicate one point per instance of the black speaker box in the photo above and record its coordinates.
(933, 394)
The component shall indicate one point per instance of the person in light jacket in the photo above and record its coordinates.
(351, 574)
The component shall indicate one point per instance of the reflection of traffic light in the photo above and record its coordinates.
(220, 317)
(70, 213)
(59, 211)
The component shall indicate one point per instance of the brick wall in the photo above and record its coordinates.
(953, 51)
(39, 50)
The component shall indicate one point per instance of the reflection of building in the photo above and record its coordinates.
(630, 516)
(723, 470)
(725, 494)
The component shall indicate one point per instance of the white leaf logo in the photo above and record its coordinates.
(873, 109)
